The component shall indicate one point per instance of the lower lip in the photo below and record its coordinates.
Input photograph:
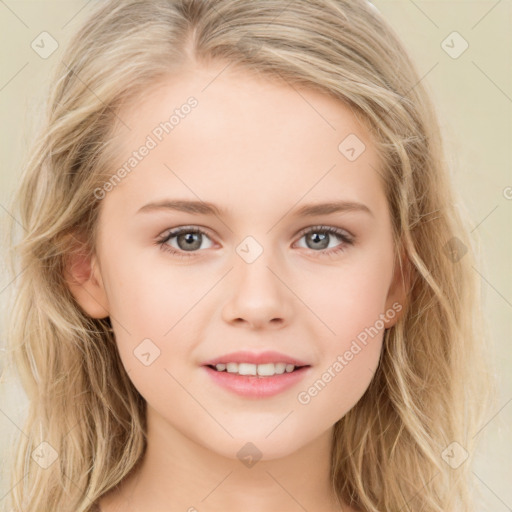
(257, 387)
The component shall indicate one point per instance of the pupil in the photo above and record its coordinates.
(320, 238)
(191, 239)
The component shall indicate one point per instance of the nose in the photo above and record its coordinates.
(259, 297)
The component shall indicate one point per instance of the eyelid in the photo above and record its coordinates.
(346, 237)
(329, 228)
(198, 227)
(170, 232)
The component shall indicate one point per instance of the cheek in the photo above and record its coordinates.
(349, 298)
(350, 353)
(153, 313)
(149, 299)
(161, 304)
(340, 382)
(350, 303)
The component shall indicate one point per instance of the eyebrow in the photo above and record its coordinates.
(206, 208)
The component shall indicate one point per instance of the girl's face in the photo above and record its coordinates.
(245, 167)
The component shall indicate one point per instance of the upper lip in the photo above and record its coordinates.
(245, 356)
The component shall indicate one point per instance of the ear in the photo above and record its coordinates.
(83, 277)
(398, 291)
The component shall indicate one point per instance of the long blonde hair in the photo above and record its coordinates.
(389, 450)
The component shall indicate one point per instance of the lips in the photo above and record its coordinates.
(246, 356)
(256, 387)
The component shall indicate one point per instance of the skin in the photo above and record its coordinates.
(259, 149)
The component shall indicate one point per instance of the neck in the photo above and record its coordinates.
(179, 474)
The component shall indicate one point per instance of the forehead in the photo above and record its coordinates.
(230, 96)
(245, 137)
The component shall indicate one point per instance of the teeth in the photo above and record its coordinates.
(266, 370)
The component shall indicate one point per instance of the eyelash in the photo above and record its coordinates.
(346, 239)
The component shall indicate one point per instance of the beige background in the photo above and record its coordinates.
(474, 97)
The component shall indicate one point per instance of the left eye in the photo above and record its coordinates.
(320, 236)
(189, 240)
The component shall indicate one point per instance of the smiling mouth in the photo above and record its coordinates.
(256, 370)
(256, 381)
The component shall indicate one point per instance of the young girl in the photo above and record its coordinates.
(243, 283)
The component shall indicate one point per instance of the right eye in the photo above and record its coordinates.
(326, 233)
